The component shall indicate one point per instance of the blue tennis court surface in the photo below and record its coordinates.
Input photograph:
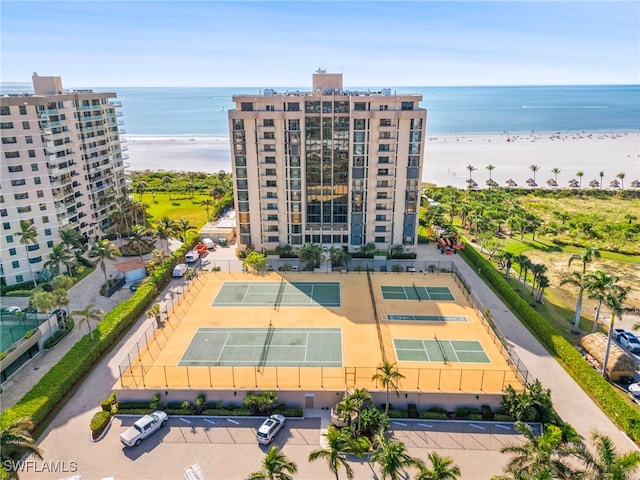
(450, 351)
(416, 293)
(270, 347)
(428, 318)
(276, 294)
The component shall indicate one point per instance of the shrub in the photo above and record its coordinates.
(464, 412)
(474, 416)
(106, 405)
(433, 415)
(262, 403)
(437, 409)
(500, 417)
(100, 421)
(397, 413)
(155, 403)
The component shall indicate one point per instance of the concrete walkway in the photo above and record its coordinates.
(570, 401)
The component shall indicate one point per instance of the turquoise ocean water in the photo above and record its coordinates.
(600, 108)
(203, 111)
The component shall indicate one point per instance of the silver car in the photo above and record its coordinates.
(269, 428)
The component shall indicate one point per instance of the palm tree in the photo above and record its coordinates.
(598, 285)
(543, 282)
(104, 250)
(601, 174)
(534, 169)
(28, 236)
(578, 280)
(15, 438)
(471, 168)
(164, 229)
(71, 237)
(41, 301)
(608, 463)
(555, 171)
(361, 399)
(137, 239)
(154, 312)
(183, 227)
(615, 301)
(140, 188)
(207, 203)
(88, 313)
(442, 468)
(61, 285)
(339, 445)
(621, 177)
(310, 254)
(580, 174)
(388, 375)
(539, 457)
(491, 168)
(275, 466)
(166, 181)
(393, 458)
(60, 254)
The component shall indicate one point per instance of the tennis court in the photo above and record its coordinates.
(399, 292)
(14, 328)
(448, 351)
(276, 294)
(269, 347)
(428, 318)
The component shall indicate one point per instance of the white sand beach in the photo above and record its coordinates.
(446, 156)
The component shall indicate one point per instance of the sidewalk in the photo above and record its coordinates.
(570, 401)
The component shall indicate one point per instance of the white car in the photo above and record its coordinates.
(14, 309)
(269, 428)
(634, 389)
(143, 427)
(629, 341)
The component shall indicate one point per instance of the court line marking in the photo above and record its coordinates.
(223, 345)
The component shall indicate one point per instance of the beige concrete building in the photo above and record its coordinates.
(328, 166)
(62, 166)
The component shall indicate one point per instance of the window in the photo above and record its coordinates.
(416, 124)
(383, 159)
(19, 279)
(270, 160)
(37, 180)
(238, 124)
(272, 206)
(21, 196)
(12, 154)
(385, 135)
(385, 122)
(47, 231)
(406, 106)
(272, 228)
(381, 195)
(382, 183)
(6, 125)
(28, 139)
(26, 126)
(3, 212)
(270, 172)
(359, 124)
(45, 219)
(34, 167)
(26, 209)
(270, 108)
(293, 107)
(15, 264)
(383, 171)
(50, 244)
(19, 182)
(22, 109)
(4, 110)
(360, 106)
(272, 194)
(381, 218)
(241, 161)
(9, 140)
(273, 239)
(381, 228)
(380, 240)
(272, 217)
(267, 122)
(246, 107)
(269, 135)
(271, 183)
(384, 107)
(269, 148)
(384, 147)
(9, 238)
(33, 247)
(32, 154)
(6, 225)
(15, 168)
(12, 251)
(43, 206)
(294, 125)
(39, 193)
(380, 206)
(35, 259)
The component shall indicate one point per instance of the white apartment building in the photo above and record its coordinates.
(62, 166)
(329, 166)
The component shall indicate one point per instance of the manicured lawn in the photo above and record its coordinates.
(177, 208)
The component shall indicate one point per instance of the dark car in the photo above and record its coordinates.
(135, 284)
(60, 314)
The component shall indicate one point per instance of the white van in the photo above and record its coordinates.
(207, 242)
(192, 256)
(179, 270)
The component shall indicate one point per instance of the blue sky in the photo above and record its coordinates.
(241, 43)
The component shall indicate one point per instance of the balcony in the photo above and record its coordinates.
(95, 128)
(50, 124)
(97, 149)
(115, 103)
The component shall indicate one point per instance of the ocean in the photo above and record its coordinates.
(451, 110)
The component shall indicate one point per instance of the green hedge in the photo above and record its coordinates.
(591, 381)
(46, 396)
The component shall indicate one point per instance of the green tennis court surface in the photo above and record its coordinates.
(270, 347)
(416, 350)
(427, 318)
(275, 294)
(416, 293)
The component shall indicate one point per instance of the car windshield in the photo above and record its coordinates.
(262, 434)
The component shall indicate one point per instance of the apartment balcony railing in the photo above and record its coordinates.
(88, 108)
(94, 128)
(50, 124)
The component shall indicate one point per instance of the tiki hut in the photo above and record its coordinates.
(619, 365)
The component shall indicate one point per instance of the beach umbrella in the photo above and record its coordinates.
(552, 183)
(635, 184)
(511, 183)
(594, 184)
(614, 184)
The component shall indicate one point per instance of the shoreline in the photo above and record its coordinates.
(446, 157)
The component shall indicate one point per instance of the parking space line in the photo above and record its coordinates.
(425, 425)
(505, 427)
(209, 421)
(185, 420)
(401, 424)
(476, 426)
(233, 421)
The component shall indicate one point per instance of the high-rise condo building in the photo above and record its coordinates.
(330, 166)
(63, 166)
